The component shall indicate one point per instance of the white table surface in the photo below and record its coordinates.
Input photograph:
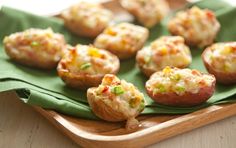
(22, 127)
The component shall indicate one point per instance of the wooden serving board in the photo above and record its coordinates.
(89, 133)
(154, 128)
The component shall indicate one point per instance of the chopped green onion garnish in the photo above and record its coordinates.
(117, 90)
(85, 66)
(141, 106)
(34, 43)
(180, 89)
(161, 88)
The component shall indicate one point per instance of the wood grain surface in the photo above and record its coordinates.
(22, 127)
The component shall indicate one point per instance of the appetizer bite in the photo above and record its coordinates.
(164, 51)
(147, 12)
(40, 48)
(220, 60)
(180, 87)
(123, 39)
(86, 19)
(84, 66)
(116, 100)
(198, 27)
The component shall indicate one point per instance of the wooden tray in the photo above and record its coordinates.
(88, 133)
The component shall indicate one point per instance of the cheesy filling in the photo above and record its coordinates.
(122, 37)
(165, 51)
(88, 60)
(157, 10)
(222, 56)
(179, 81)
(90, 15)
(120, 95)
(200, 26)
(36, 44)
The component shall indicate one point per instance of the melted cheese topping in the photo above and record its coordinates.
(157, 10)
(195, 25)
(120, 95)
(179, 81)
(122, 37)
(222, 56)
(36, 44)
(90, 15)
(165, 51)
(88, 60)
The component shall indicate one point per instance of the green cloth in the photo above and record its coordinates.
(46, 89)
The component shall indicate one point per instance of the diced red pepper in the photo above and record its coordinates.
(105, 89)
(202, 83)
(210, 14)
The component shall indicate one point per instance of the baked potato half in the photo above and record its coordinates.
(164, 51)
(180, 87)
(40, 48)
(84, 66)
(116, 100)
(124, 39)
(199, 27)
(147, 12)
(86, 19)
(220, 60)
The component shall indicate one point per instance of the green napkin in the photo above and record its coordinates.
(45, 88)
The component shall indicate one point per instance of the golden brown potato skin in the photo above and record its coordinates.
(221, 77)
(146, 71)
(80, 29)
(102, 110)
(40, 63)
(84, 81)
(124, 54)
(45, 55)
(85, 10)
(186, 100)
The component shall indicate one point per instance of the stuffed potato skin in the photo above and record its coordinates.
(198, 26)
(84, 66)
(124, 39)
(39, 48)
(116, 100)
(220, 60)
(157, 10)
(164, 51)
(180, 87)
(86, 19)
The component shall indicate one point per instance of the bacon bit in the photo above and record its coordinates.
(233, 48)
(105, 89)
(210, 14)
(103, 56)
(187, 22)
(202, 83)
(195, 72)
(108, 78)
(73, 51)
(174, 51)
(63, 64)
(110, 31)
